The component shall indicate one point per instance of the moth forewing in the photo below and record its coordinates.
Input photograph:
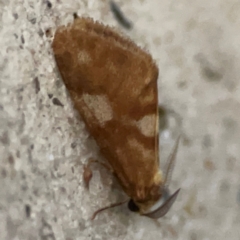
(113, 85)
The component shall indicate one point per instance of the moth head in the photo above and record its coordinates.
(161, 206)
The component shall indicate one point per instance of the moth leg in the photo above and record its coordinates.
(104, 208)
(87, 172)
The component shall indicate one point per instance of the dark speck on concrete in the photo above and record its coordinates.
(36, 85)
(57, 102)
(28, 210)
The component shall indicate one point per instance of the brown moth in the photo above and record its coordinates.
(113, 85)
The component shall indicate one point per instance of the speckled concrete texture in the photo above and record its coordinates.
(44, 143)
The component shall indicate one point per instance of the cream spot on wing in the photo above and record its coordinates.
(144, 152)
(147, 125)
(147, 99)
(112, 67)
(148, 79)
(83, 57)
(99, 106)
(158, 177)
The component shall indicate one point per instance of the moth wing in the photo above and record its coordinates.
(113, 84)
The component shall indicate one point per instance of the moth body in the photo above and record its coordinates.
(113, 85)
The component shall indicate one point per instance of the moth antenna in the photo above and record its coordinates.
(110, 206)
(161, 211)
(171, 163)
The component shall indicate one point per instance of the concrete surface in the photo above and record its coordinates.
(44, 143)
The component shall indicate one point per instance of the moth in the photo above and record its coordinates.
(113, 85)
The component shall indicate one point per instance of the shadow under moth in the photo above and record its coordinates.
(113, 85)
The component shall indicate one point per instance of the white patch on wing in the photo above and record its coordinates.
(145, 153)
(146, 125)
(83, 57)
(99, 106)
(147, 99)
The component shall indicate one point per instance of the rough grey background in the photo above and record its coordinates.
(44, 143)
